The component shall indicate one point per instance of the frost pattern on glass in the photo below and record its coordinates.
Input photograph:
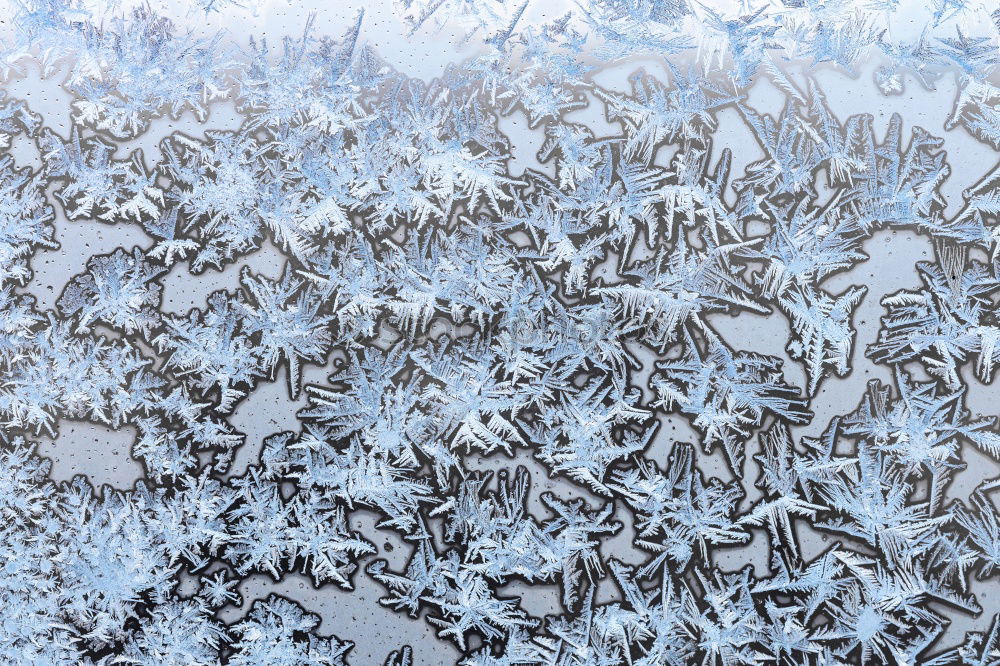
(525, 376)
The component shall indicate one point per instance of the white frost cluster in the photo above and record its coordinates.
(473, 314)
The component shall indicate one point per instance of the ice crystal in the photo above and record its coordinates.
(493, 311)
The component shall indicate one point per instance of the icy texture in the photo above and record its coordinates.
(482, 324)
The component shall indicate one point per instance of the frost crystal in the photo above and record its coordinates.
(567, 331)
